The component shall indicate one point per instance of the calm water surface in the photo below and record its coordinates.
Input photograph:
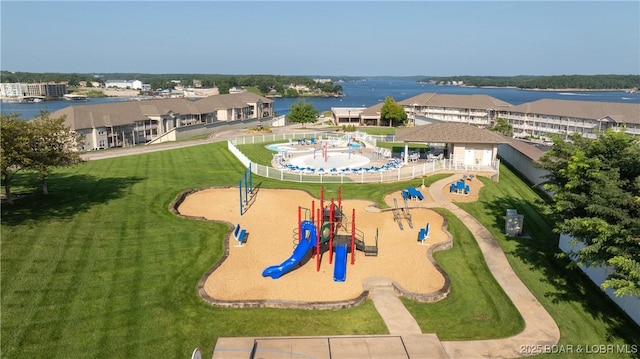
(368, 93)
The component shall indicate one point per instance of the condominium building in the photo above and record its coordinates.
(540, 119)
(11, 90)
(479, 110)
(129, 123)
(50, 90)
(546, 118)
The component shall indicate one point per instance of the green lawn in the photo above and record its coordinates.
(476, 305)
(379, 131)
(585, 316)
(102, 268)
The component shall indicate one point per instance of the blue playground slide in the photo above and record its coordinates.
(308, 241)
(340, 268)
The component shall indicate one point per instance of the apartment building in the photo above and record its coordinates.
(130, 123)
(49, 90)
(540, 119)
(427, 108)
(546, 118)
(9, 90)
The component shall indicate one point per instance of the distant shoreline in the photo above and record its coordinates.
(582, 90)
(632, 90)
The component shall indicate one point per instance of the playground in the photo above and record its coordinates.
(270, 221)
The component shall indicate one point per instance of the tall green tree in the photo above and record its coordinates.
(15, 146)
(38, 145)
(302, 112)
(392, 112)
(53, 144)
(502, 126)
(596, 186)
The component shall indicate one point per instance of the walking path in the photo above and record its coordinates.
(540, 328)
(396, 317)
(405, 339)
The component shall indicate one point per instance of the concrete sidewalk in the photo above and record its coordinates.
(406, 339)
(540, 328)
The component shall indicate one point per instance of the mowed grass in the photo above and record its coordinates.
(101, 268)
(476, 305)
(584, 315)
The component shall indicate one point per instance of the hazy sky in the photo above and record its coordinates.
(354, 38)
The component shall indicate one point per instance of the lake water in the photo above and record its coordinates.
(368, 93)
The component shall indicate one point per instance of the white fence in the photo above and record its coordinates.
(407, 172)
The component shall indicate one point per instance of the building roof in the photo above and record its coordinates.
(595, 110)
(530, 149)
(373, 111)
(128, 112)
(237, 100)
(482, 102)
(347, 111)
(449, 132)
(101, 115)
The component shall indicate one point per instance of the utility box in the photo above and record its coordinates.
(513, 224)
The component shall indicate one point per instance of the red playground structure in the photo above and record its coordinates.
(325, 229)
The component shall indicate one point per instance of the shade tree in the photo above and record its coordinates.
(38, 145)
(392, 112)
(15, 145)
(596, 187)
(302, 112)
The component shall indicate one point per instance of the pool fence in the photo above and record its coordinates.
(408, 171)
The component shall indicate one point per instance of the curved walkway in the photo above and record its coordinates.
(405, 339)
(540, 328)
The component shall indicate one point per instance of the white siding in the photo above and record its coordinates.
(629, 304)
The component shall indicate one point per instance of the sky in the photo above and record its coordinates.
(333, 38)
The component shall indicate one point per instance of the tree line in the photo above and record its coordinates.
(586, 82)
(264, 83)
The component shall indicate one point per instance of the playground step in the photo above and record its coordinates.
(371, 251)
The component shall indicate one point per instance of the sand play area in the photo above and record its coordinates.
(270, 221)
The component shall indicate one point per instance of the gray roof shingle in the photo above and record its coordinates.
(128, 112)
(448, 133)
(482, 102)
(595, 110)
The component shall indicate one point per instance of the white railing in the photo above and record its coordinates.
(269, 137)
(404, 173)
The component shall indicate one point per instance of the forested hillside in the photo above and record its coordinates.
(586, 82)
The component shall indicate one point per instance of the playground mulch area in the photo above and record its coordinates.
(270, 221)
(474, 185)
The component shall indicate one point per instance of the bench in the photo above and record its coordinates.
(240, 234)
(423, 235)
(415, 193)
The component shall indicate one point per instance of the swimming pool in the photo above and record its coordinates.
(278, 147)
(333, 160)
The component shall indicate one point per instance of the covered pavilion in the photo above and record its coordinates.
(463, 143)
